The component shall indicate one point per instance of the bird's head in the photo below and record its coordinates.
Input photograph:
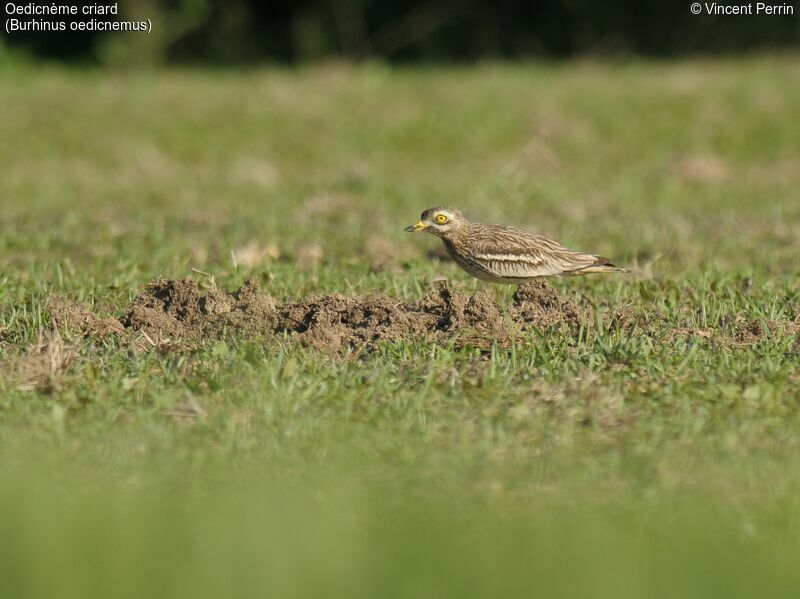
(441, 221)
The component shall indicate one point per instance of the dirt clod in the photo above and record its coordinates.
(179, 309)
(749, 332)
(539, 304)
(68, 314)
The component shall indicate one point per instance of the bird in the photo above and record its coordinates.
(505, 254)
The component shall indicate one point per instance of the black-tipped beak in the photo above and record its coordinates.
(420, 226)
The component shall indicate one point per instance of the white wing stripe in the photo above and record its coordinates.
(509, 258)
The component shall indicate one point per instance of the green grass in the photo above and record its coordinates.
(617, 465)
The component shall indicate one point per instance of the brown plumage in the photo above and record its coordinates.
(503, 254)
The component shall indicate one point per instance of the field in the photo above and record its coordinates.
(646, 446)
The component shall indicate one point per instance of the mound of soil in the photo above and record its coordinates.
(180, 309)
(539, 304)
(172, 313)
(68, 314)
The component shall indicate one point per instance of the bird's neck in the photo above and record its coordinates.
(456, 235)
(455, 238)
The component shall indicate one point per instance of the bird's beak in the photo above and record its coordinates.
(420, 226)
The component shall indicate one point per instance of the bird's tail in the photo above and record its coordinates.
(600, 265)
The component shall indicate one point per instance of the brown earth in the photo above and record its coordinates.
(65, 313)
(170, 313)
(179, 309)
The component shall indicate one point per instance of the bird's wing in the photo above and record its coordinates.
(510, 252)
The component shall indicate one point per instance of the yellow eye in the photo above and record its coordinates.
(441, 219)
